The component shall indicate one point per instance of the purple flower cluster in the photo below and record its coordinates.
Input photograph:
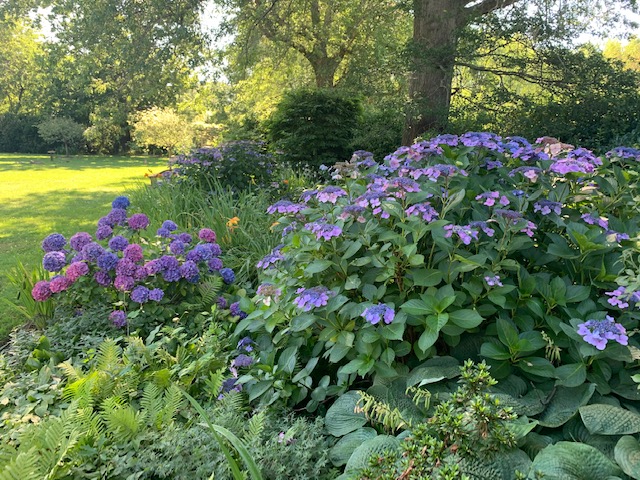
(138, 221)
(286, 206)
(54, 261)
(269, 292)
(352, 211)
(118, 318)
(121, 202)
(271, 258)
(234, 310)
(376, 313)
(309, 298)
(624, 153)
(228, 276)
(330, 194)
(593, 220)
(323, 230)
(79, 240)
(54, 243)
(545, 207)
(532, 173)
(489, 199)
(619, 297)
(423, 210)
(464, 232)
(493, 280)
(599, 332)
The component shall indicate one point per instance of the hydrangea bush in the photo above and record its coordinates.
(147, 278)
(471, 246)
(239, 165)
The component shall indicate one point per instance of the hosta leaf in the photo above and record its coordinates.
(341, 417)
(573, 461)
(341, 451)
(375, 446)
(609, 420)
(564, 404)
(434, 370)
(628, 456)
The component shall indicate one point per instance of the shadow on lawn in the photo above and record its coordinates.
(41, 163)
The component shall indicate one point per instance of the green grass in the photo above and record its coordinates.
(40, 196)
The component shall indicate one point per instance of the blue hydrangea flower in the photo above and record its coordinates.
(118, 243)
(228, 276)
(599, 332)
(242, 360)
(140, 294)
(271, 258)
(107, 261)
(234, 309)
(79, 240)
(156, 294)
(54, 261)
(170, 225)
(375, 313)
(245, 344)
(121, 202)
(189, 271)
(177, 247)
(214, 264)
(103, 232)
(54, 243)
(118, 318)
(286, 206)
(309, 298)
(324, 230)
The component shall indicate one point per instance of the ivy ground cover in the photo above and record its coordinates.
(39, 196)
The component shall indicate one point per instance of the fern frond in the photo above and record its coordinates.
(379, 412)
(70, 372)
(151, 404)
(209, 290)
(89, 422)
(23, 467)
(173, 401)
(214, 382)
(123, 422)
(108, 356)
(255, 425)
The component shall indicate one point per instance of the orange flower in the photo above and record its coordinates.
(232, 224)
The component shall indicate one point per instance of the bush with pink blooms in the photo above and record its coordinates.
(147, 278)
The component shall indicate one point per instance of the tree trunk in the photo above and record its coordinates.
(435, 37)
(324, 69)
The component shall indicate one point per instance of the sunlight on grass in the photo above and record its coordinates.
(40, 196)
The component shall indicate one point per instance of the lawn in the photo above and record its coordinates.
(65, 195)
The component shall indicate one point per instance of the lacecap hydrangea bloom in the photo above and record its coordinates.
(599, 332)
(309, 298)
(376, 313)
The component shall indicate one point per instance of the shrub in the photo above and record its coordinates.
(163, 128)
(19, 133)
(148, 280)
(315, 127)
(238, 165)
(61, 130)
(471, 246)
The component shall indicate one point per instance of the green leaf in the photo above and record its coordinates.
(537, 366)
(258, 389)
(393, 331)
(574, 461)
(465, 318)
(341, 417)
(432, 329)
(564, 404)
(302, 322)
(507, 332)
(627, 454)
(352, 250)
(339, 454)
(287, 360)
(318, 266)
(352, 282)
(605, 419)
(494, 351)
(434, 370)
(577, 293)
(417, 307)
(423, 277)
(571, 375)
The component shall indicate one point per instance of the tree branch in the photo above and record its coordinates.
(488, 6)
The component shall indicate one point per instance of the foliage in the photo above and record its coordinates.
(61, 130)
(315, 127)
(38, 312)
(469, 246)
(468, 428)
(162, 128)
(19, 133)
(380, 130)
(148, 281)
(240, 165)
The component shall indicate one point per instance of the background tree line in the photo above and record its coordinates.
(400, 67)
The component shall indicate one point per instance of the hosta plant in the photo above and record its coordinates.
(471, 246)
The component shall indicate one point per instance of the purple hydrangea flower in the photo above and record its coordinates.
(189, 271)
(54, 243)
(79, 240)
(138, 221)
(490, 198)
(493, 280)
(374, 314)
(599, 332)
(103, 232)
(618, 235)
(107, 261)
(41, 291)
(185, 238)
(330, 194)
(308, 298)
(117, 216)
(156, 294)
(170, 225)
(153, 267)
(353, 211)
(624, 152)
(529, 228)
(286, 206)
(545, 207)
(163, 233)
(245, 344)
(592, 220)
(207, 235)
(91, 251)
(102, 278)
(234, 309)
(532, 173)
(324, 230)
(424, 210)
(228, 276)
(177, 247)
(54, 261)
(222, 303)
(77, 270)
(121, 202)
(484, 226)
(270, 292)
(133, 252)
(271, 258)
(464, 232)
(242, 361)
(124, 283)
(618, 298)
(140, 294)
(402, 186)
(214, 264)
(118, 243)
(118, 318)
(126, 267)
